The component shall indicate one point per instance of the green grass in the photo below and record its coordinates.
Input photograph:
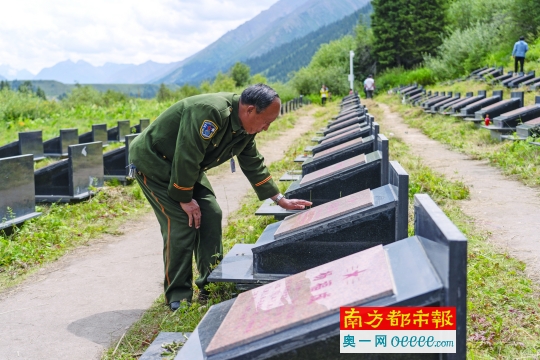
(62, 227)
(517, 159)
(503, 303)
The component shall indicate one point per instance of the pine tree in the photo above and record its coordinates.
(240, 73)
(403, 30)
(41, 94)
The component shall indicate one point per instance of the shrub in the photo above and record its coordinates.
(463, 51)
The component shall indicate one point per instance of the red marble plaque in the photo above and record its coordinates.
(519, 111)
(338, 148)
(497, 104)
(304, 297)
(324, 212)
(344, 130)
(533, 122)
(333, 169)
(336, 138)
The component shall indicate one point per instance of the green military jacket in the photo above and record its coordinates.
(194, 135)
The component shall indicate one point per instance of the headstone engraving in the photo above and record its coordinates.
(305, 297)
(333, 169)
(324, 212)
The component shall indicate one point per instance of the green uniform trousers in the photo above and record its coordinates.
(180, 240)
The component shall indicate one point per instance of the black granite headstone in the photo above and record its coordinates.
(30, 142)
(17, 197)
(139, 128)
(506, 123)
(521, 79)
(427, 269)
(341, 152)
(115, 162)
(118, 132)
(71, 179)
(468, 111)
(98, 133)
(501, 107)
(334, 229)
(58, 146)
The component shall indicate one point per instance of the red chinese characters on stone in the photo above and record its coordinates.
(304, 297)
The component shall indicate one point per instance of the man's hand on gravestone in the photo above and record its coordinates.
(294, 204)
(193, 212)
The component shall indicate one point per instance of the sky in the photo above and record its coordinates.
(37, 33)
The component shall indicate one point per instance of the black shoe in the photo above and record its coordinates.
(175, 305)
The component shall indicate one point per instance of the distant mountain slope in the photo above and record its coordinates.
(280, 61)
(70, 72)
(283, 22)
(7, 72)
(55, 89)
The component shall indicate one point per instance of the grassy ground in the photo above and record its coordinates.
(62, 227)
(503, 304)
(517, 159)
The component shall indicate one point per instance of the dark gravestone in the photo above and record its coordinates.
(468, 111)
(415, 98)
(506, 123)
(318, 139)
(501, 107)
(139, 128)
(516, 83)
(530, 82)
(17, 197)
(413, 93)
(441, 105)
(523, 131)
(115, 162)
(334, 229)
(58, 146)
(30, 142)
(274, 322)
(429, 103)
(118, 132)
(330, 183)
(346, 116)
(98, 133)
(456, 108)
(70, 179)
(502, 77)
(339, 153)
(331, 141)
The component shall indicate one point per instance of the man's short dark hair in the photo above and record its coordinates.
(259, 95)
(522, 38)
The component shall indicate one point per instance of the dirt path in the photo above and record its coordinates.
(509, 210)
(80, 305)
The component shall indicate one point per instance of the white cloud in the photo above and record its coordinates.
(36, 33)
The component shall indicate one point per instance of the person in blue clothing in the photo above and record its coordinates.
(520, 48)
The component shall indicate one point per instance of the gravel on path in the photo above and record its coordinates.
(78, 306)
(506, 208)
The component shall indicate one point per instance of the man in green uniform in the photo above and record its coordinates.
(171, 157)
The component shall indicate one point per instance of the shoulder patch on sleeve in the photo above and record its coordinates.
(208, 129)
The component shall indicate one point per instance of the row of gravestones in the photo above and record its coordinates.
(350, 249)
(70, 179)
(293, 104)
(31, 142)
(507, 116)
